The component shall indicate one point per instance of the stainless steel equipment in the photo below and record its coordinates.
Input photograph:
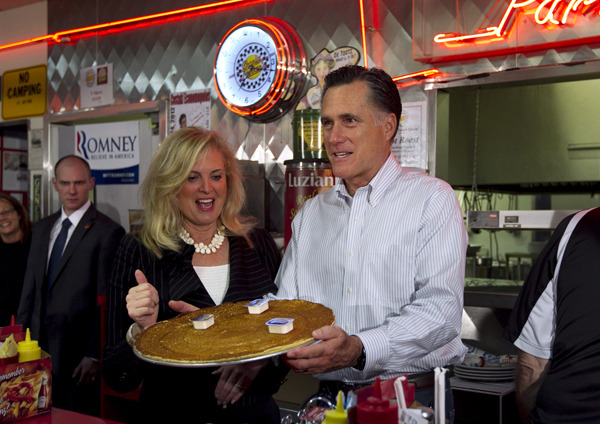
(521, 220)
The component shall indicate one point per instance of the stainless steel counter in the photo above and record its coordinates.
(491, 293)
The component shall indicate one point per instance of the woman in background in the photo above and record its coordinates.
(15, 232)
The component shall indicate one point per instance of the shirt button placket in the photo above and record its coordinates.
(353, 246)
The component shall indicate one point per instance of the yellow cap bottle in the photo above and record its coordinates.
(337, 415)
(28, 349)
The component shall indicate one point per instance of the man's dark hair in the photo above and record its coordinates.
(85, 163)
(384, 93)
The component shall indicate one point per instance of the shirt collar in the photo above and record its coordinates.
(76, 216)
(377, 186)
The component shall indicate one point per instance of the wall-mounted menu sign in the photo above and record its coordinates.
(24, 92)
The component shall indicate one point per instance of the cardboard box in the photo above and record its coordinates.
(22, 389)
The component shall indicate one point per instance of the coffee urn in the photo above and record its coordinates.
(309, 173)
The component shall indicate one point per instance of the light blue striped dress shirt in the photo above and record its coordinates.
(390, 262)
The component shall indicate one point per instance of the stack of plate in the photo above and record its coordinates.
(485, 373)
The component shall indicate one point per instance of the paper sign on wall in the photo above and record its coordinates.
(96, 86)
(189, 108)
(111, 149)
(410, 143)
(14, 171)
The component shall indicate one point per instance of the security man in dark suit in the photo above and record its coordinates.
(68, 266)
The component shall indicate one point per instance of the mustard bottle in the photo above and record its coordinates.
(28, 349)
(337, 415)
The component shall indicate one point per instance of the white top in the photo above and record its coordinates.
(215, 280)
(75, 217)
(390, 262)
(537, 335)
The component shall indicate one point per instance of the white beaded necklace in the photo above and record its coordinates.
(202, 248)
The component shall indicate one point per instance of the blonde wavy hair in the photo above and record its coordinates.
(170, 167)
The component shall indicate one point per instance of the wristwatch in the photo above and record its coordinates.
(361, 361)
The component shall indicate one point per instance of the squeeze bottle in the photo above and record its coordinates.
(28, 349)
(376, 410)
(337, 415)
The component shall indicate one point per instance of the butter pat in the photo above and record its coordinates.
(258, 306)
(280, 325)
(202, 322)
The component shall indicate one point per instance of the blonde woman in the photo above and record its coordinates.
(195, 249)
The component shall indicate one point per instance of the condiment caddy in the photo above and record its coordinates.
(385, 402)
(26, 388)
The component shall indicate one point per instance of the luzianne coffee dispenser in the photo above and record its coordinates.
(309, 173)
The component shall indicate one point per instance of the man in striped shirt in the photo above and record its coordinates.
(384, 248)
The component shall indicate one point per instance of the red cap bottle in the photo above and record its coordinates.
(377, 410)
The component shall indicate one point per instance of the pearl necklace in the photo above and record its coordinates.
(202, 248)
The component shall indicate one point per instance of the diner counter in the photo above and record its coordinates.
(491, 292)
(62, 416)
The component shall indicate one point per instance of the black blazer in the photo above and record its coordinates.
(13, 263)
(252, 275)
(73, 323)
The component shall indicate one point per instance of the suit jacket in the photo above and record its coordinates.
(72, 312)
(252, 272)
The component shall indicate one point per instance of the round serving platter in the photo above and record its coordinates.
(235, 336)
(214, 364)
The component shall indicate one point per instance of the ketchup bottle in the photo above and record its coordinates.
(43, 394)
(377, 410)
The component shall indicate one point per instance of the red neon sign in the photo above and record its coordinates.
(178, 13)
(421, 74)
(108, 27)
(548, 13)
(363, 32)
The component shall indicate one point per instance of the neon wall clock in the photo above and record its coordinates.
(260, 69)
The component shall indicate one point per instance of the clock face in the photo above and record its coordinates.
(260, 69)
(246, 65)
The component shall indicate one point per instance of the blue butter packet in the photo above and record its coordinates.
(279, 321)
(257, 302)
(203, 317)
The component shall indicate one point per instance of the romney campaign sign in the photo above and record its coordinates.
(112, 150)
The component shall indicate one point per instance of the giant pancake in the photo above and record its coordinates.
(236, 334)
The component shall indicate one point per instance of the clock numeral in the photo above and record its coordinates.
(259, 93)
(246, 99)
